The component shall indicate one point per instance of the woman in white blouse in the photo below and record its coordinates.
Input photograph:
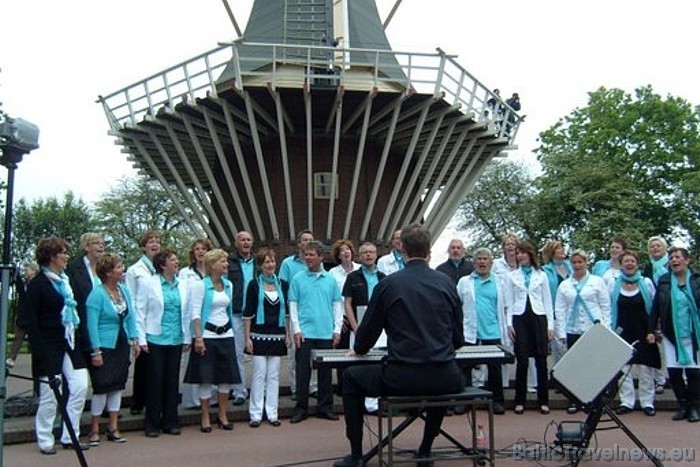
(582, 301)
(530, 323)
(195, 272)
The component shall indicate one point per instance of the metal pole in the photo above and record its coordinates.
(5, 274)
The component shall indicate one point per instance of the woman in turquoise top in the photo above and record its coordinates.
(213, 359)
(111, 324)
(164, 328)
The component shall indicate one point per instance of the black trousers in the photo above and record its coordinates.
(163, 387)
(325, 376)
(494, 383)
(138, 388)
(687, 393)
(397, 380)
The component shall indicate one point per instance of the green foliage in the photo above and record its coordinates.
(67, 218)
(623, 165)
(135, 205)
(501, 202)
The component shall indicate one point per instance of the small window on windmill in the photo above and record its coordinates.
(322, 185)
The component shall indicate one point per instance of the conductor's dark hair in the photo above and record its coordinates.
(416, 240)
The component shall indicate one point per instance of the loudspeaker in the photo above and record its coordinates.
(592, 363)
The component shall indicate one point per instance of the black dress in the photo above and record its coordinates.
(632, 319)
(268, 337)
(113, 373)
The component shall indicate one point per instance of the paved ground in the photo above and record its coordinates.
(318, 442)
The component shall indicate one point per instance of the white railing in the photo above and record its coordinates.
(429, 73)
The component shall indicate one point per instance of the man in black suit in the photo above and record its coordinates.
(421, 313)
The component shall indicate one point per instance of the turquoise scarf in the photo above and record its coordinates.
(676, 291)
(69, 313)
(658, 267)
(580, 303)
(643, 289)
(527, 273)
(260, 313)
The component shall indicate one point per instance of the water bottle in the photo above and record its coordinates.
(480, 436)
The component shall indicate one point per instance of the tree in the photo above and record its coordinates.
(501, 201)
(68, 218)
(619, 167)
(135, 205)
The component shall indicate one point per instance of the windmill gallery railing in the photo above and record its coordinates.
(274, 64)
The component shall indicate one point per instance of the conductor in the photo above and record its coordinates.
(421, 313)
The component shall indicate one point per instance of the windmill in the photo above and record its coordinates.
(310, 120)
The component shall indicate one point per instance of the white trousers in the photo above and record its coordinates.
(239, 337)
(264, 387)
(112, 401)
(76, 381)
(646, 387)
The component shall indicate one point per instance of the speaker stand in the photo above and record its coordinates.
(596, 410)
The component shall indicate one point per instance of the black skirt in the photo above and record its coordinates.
(531, 338)
(113, 373)
(218, 365)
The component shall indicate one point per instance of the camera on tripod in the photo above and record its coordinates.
(17, 138)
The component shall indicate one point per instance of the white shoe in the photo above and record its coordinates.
(10, 362)
(532, 390)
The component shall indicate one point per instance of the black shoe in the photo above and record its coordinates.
(114, 437)
(328, 415)
(314, 394)
(239, 400)
(681, 414)
(48, 451)
(649, 411)
(449, 412)
(622, 410)
(693, 415)
(224, 426)
(298, 416)
(499, 408)
(152, 433)
(81, 446)
(460, 410)
(254, 423)
(205, 429)
(175, 431)
(348, 461)
(422, 463)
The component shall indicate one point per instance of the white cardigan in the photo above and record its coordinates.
(465, 290)
(539, 294)
(150, 305)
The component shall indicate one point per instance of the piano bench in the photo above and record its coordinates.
(471, 397)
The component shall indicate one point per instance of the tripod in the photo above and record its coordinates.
(577, 442)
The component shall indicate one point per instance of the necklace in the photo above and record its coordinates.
(115, 294)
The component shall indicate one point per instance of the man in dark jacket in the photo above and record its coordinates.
(241, 268)
(457, 265)
(421, 313)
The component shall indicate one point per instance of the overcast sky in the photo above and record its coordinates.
(58, 56)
